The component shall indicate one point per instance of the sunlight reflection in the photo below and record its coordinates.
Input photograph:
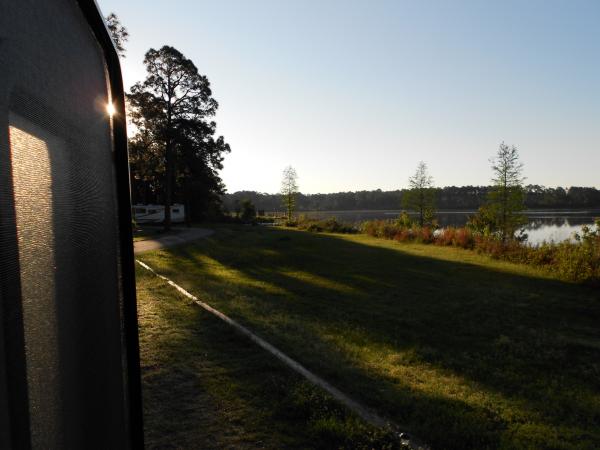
(110, 109)
(32, 184)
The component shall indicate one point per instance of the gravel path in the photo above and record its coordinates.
(183, 236)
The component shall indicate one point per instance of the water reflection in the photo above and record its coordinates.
(547, 225)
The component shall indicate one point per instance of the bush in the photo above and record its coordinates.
(381, 228)
(457, 237)
(463, 237)
(330, 225)
(404, 220)
(425, 235)
(580, 261)
(574, 261)
(248, 211)
(404, 235)
(446, 236)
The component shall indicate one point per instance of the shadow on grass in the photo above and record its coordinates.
(466, 355)
(205, 386)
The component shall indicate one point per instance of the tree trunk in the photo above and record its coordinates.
(168, 186)
(504, 210)
(289, 207)
(144, 192)
(421, 207)
(169, 167)
(186, 203)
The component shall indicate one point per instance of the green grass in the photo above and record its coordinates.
(206, 386)
(463, 350)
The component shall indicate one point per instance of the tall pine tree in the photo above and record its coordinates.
(171, 109)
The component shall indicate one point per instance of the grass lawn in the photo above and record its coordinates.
(206, 386)
(462, 350)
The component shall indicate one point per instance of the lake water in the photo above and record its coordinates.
(549, 225)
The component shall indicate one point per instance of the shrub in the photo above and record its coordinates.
(388, 230)
(369, 228)
(330, 225)
(463, 237)
(380, 228)
(425, 235)
(404, 235)
(404, 220)
(574, 261)
(446, 236)
(580, 261)
(248, 211)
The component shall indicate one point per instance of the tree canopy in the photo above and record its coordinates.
(501, 214)
(421, 196)
(175, 154)
(507, 199)
(289, 190)
(466, 198)
(118, 33)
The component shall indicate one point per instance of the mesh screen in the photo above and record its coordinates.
(59, 272)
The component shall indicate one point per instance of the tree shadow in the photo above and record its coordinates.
(506, 360)
(207, 386)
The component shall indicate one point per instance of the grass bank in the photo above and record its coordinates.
(464, 350)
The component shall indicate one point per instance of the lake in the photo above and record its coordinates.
(547, 225)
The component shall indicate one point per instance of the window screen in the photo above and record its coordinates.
(63, 372)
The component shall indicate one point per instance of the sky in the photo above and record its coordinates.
(353, 94)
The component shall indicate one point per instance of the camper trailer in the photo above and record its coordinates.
(156, 213)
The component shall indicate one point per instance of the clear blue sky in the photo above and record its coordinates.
(354, 94)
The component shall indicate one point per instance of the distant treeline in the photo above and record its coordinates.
(451, 197)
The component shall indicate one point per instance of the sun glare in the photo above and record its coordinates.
(110, 109)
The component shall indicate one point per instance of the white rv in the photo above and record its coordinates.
(156, 213)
